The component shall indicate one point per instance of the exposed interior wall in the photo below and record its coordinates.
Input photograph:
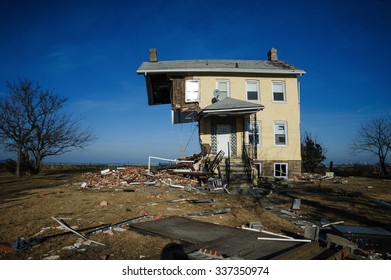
(178, 96)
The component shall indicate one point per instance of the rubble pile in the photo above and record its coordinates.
(134, 175)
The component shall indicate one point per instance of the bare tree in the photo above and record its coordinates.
(375, 137)
(34, 124)
(16, 119)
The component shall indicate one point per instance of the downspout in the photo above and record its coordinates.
(299, 96)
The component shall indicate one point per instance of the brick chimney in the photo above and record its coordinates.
(152, 55)
(272, 55)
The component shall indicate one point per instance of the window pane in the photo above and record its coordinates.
(277, 172)
(278, 87)
(191, 85)
(280, 139)
(253, 131)
(252, 95)
(223, 86)
(252, 86)
(278, 96)
(279, 127)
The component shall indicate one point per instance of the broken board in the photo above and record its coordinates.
(229, 241)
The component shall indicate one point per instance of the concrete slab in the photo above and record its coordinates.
(230, 242)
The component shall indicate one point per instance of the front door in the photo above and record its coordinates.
(223, 138)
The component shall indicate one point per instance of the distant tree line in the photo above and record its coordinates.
(34, 125)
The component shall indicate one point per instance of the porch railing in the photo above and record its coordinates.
(248, 161)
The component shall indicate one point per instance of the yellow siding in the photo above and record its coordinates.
(288, 111)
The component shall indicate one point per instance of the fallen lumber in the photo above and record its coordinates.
(65, 226)
(120, 224)
(208, 213)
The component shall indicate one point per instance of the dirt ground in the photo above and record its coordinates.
(28, 204)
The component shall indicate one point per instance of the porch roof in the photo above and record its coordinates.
(231, 106)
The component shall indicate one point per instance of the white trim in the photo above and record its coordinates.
(287, 169)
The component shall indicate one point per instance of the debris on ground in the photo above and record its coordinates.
(135, 176)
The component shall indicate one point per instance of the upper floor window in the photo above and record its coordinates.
(252, 89)
(280, 138)
(279, 91)
(223, 87)
(192, 89)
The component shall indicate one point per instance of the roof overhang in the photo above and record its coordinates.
(219, 66)
(221, 70)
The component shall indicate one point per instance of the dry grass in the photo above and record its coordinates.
(27, 205)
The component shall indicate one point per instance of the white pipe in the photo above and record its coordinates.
(166, 159)
(284, 239)
(276, 234)
(335, 223)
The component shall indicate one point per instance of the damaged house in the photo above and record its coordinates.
(249, 109)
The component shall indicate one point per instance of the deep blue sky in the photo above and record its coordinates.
(89, 51)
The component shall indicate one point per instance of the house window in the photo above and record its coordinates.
(252, 90)
(280, 134)
(281, 170)
(223, 87)
(279, 91)
(254, 132)
(192, 88)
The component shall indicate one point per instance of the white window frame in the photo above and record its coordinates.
(192, 94)
(280, 164)
(276, 125)
(223, 81)
(283, 91)
(249, 130)
(256, 82)
(258, 165)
